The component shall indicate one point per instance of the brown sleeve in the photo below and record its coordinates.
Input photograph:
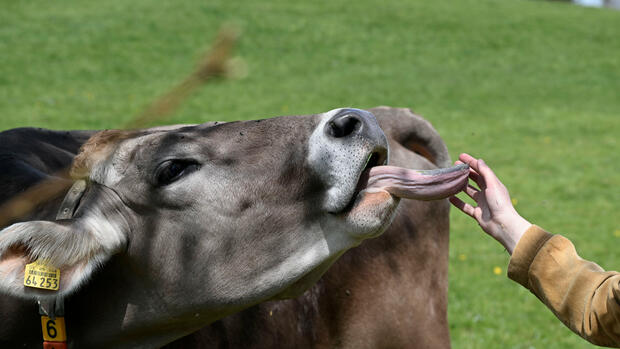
(580, 293)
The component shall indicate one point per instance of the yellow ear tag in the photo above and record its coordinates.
(53, 330)
(39, 274)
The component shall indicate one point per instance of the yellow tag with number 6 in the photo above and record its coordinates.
(54, 329)
(39, 274)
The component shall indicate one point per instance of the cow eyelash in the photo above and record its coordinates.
(172, 170)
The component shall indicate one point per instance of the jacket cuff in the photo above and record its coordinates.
(525, 252)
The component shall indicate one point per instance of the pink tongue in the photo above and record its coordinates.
(420, 185)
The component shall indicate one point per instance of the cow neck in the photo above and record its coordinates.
(52, 311)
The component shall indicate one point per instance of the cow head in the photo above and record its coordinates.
(215, 215)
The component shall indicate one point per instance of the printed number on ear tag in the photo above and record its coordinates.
(53, 330)
(41, 275)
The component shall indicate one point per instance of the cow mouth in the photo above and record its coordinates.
(377, 181)
(377, 158)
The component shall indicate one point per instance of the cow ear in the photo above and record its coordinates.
(414, 133)
(67, 245)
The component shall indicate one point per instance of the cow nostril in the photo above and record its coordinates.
(343, 126)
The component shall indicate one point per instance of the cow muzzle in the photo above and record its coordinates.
(345, 143)
(349, 152)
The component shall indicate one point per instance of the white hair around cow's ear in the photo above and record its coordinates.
(70, 246)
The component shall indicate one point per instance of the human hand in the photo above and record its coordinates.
(494, 213)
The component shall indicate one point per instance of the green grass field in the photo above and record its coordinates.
(532, 87)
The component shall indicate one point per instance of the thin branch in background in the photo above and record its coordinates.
(216, 64)
(39, 193)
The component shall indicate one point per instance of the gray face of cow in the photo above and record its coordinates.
(219, 216)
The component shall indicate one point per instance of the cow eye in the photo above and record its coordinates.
(172, 170)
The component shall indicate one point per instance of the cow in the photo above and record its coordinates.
(180, 226)
(389, 292)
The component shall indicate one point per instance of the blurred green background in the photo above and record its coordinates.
(532, 87)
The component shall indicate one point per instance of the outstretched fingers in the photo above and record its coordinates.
(477, 178)
(472, 192)
(463, 206)
(474, 176)
(487, 174)
(482, 169)
(470, 160)
(486, 177)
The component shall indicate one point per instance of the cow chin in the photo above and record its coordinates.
(306, 281)
(371, 213)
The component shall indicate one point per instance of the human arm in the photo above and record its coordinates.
(580, 293)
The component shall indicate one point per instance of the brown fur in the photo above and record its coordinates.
(97, 148)
(389, 292)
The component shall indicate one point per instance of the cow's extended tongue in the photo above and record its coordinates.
(420, 185)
